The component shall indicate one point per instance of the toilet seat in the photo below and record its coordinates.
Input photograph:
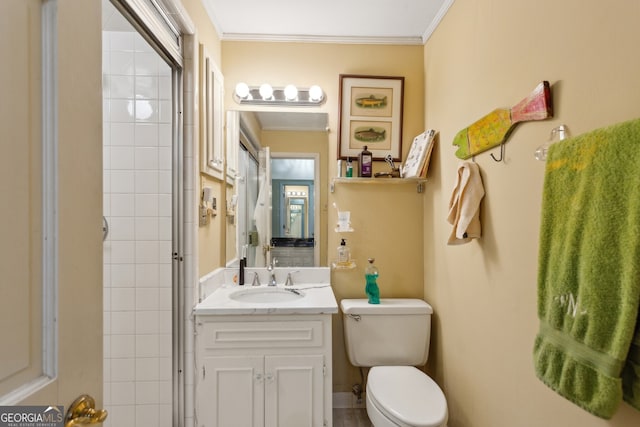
(406, 396)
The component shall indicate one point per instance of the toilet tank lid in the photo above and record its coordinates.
(386, 306)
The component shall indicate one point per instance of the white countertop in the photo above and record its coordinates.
(318, 299)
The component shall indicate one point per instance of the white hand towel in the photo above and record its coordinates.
(464, 205)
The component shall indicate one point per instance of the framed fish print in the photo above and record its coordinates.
(370, 113)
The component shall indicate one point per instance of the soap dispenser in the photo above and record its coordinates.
(371, 288)
(344, 254)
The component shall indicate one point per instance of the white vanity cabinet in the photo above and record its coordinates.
(263, 370)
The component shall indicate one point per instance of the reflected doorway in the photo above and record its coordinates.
(295, 221)
(294, 209)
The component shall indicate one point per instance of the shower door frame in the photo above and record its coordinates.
(149, 25)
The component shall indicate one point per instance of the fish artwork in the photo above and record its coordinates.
(495, 128)
(370, 134)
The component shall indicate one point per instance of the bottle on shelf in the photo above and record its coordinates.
(349, 169)
(365, 163)
(344, 254)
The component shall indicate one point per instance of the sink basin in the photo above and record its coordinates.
(266, 295)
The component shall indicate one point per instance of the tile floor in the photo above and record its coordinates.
(350, 417)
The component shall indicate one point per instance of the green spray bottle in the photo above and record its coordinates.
(371, 288)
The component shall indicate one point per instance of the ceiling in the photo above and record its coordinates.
(407, 22)
(338, 21)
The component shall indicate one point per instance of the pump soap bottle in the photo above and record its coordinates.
(365, 163)
(344, 254)
(371, 288)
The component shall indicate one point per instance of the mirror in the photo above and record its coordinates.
(298, 146)
(296, 205)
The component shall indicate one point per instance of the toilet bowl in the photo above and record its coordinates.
(392, 338)
(404, 396)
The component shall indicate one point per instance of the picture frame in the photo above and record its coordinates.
(211, 100)
(370, 113)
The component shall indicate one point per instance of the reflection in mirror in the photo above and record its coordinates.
(247, 192)
(297, 141)
(296, 220)
(293, 210)
(292, 186)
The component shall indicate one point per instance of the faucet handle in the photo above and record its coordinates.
(256, 279)
(289, 281)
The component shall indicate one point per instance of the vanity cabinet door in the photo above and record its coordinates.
(294, 391)
(270, 371)
(231, 392)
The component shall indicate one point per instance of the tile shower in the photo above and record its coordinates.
(137, 252)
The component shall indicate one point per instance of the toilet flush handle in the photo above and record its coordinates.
(355, 317)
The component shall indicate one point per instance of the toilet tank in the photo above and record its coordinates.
(394, 332)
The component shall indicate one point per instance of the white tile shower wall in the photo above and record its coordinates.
(137, 253)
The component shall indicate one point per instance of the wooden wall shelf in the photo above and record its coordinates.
(418, 182)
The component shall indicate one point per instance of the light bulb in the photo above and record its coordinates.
(266, 91)
(242, 90)
(290, 92)
(315, 93)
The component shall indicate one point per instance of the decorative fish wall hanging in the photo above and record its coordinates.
(495, 128)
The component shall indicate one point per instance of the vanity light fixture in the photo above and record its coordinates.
(290, 93)
(242, 90)
(287, 96)
(315, 93)
(266, 92)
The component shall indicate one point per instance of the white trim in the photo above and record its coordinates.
(321, 39)
(49, 189)
(162, 30)
(213, 18)
(211, 114)
(26, 390)
(180, 16)
(436, 20)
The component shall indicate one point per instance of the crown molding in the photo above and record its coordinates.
(436, 20)
(293, 38)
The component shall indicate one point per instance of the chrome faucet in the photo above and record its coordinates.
(256, 279)
(289, 281)
(272, 279)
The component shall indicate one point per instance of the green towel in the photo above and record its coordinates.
(589, 270)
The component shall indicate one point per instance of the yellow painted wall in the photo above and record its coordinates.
(387, 218)
(487, 54)
(211, 237)
(205, 30)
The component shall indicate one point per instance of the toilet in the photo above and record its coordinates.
(392, 338)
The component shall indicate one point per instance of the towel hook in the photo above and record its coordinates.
(557, 134)
(501, 153)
